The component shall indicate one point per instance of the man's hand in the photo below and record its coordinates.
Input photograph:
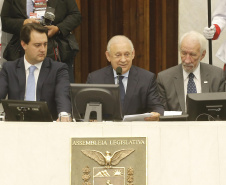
(26, 21)
(155, 117)
(52, 30)
(209, 32)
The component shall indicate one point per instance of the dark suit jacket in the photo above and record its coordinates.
(141, 94)
(171, 85)
(52, 85)
(67, 15)
(67, 18)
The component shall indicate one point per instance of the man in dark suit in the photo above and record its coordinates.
(15, 14)
(173, 82)
(51, 78)
(141, 93)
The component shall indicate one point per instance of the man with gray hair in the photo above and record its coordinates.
(191, 76)
(139, 93)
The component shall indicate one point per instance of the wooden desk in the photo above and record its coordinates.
(182, 153)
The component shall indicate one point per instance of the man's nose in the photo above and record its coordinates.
(42, 47)
(123, 58)
(187, 58)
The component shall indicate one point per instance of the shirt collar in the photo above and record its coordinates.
(125, 75)
(196, 73)
(27, 64)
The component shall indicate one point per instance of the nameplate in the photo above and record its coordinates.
(109, 161)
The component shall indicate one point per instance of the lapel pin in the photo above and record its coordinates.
(205, 82)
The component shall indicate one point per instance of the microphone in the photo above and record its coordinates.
(119, 73)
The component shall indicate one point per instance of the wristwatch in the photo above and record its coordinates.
(63, 114)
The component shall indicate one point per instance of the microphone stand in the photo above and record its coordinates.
(118, 78)
(119, 73)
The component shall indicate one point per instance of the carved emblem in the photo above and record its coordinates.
(130, 177)
(109, 182)
(86, 176)
(108, 160)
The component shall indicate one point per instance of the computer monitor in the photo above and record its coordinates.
(206, 106)
(96, 102)
(20, 110)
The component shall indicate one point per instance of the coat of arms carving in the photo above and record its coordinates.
(108, 161)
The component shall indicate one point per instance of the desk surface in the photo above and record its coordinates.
(187, 153)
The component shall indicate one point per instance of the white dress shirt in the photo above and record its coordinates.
(197, 80)
(124, 80)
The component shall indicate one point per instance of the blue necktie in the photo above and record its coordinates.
(191, 84)
(29, 7)
(122, 90)
(30, 90)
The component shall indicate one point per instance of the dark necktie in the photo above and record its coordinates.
(30, 90)
(122, 90)
(191, 84)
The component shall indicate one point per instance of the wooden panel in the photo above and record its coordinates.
(78, 58)
(155, 34)
(163, 34)
(147, 35)
(103, 33)
(150, 24)
(94, 34)
(172, 35)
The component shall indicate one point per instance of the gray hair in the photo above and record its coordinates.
(116, 38)
(196, 36)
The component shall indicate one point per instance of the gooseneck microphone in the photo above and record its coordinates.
(119, 73)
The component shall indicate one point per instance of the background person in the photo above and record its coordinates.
(218, 25)
(16, 13)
